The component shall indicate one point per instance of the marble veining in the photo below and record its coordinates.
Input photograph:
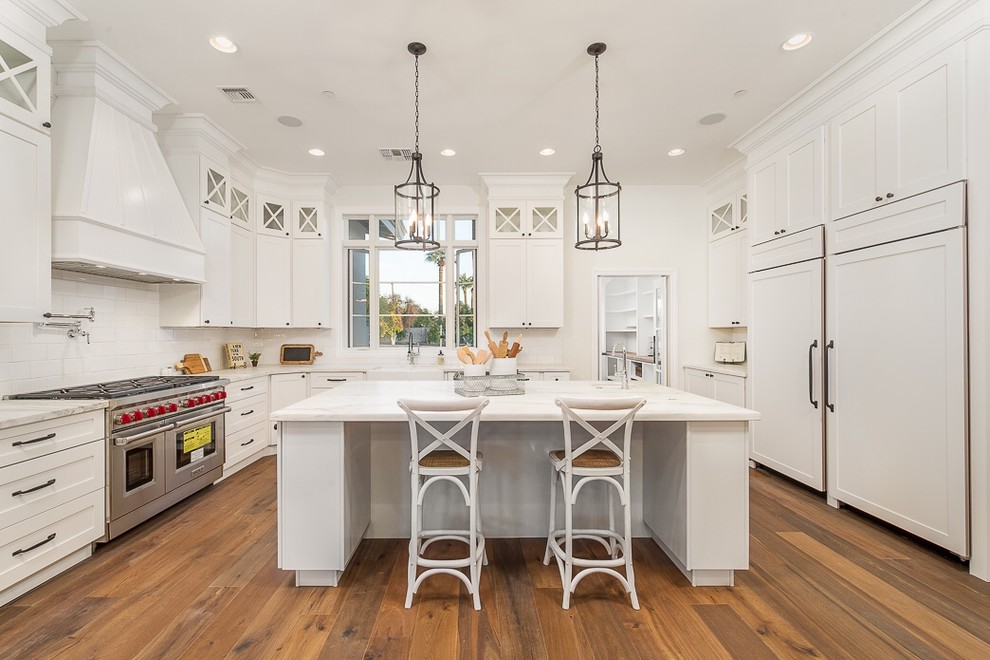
(18, 413)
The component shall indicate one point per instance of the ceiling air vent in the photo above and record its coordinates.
(396, 154)
(239, 94)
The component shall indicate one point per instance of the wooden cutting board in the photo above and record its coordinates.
(194, 363)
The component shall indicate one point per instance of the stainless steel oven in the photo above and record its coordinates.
(165, 441)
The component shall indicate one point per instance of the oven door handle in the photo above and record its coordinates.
(212, 413)
(124, 440)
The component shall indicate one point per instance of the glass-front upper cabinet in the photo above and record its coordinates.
(526, 220)
(273, 216)
(25, 81)
(307, 220)
(240, 204)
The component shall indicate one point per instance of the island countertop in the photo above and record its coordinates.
(375, 401)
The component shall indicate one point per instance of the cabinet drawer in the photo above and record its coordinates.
(51, 535)
(246, 442)
(247, 412)
(324, 380)
(32, 487)
(20, 443)
(246, 389)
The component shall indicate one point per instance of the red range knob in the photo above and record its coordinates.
(172, 407)
(223, 395)
(201, 399)
(190, 403)
(137, 415)
(150, 412)
(125, 418)
(215, 396)
(162, 410)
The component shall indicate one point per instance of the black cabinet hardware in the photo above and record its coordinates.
(31, 490)
(811, 374)
(31, 442)
(51, 537)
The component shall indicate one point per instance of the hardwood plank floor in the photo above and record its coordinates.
(200, 581)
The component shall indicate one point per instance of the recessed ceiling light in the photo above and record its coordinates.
(328, 94)
(549, 151)
(317, 152)
(713, 118)
(799, 40)
(676, 152)
(223, 44)
(290, 121)
(448, 152)
(740, 92)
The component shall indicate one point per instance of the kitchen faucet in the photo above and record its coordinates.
(624, 372)
(413, 351)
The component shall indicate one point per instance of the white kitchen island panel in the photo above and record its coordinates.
(340, 479)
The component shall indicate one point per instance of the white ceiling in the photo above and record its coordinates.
(501, 80)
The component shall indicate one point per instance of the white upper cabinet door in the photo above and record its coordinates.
(214, 186)
(25, 223)
(241, 205)
(307, 220)
(721, 218)
(214, 231)
(545, 219)
(242, 282)
(544, 284)
(507, 284)
(532, 219)
(25, 81)
(274, 216)
(506, 220)
(785, 349)
(787, 190)
(905, 139)
(727, 281)
(310, 284)
(273, 270)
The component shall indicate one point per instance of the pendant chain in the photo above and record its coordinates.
(597, 147)
(417, 103)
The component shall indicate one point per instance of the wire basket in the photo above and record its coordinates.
(489, 385)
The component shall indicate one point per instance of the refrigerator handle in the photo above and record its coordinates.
(829, 346)
(811, 374)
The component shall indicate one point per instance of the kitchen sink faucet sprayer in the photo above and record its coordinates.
(413, 351)
(624, 373)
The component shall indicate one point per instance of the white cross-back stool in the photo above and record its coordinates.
(576, 466)
(440, 457)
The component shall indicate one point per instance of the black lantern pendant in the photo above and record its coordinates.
(598, 198)
(415, 217)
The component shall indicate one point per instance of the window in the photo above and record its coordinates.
(397, 295)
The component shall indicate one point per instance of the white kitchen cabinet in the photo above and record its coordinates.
(310, 283)
(724, 387)
(25, 223)
(525, 283)
(787, 189)
(308, 220)
(896, 384)
(727, 281)
(242, 274)
(54, 475)
(785, 348)
(274, 216)
(207, 304)
(241, 205)
(273, 281)
(729, 214)
(526, 219)
(25, 81)
(247, 423)
(904, 139)
(284, 390)
(320, 381)
(214, 186)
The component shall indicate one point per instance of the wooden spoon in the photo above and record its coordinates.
(470, 355)
(481, 357)
(462, 355)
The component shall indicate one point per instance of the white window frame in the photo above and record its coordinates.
(342, 276)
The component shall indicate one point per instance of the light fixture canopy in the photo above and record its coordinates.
(597, 198)
(415, 199)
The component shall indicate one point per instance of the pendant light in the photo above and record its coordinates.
(598, 198)
(415, 217)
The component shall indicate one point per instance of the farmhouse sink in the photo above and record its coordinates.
(406, 372)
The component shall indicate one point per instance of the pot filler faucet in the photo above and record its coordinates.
(624, 373)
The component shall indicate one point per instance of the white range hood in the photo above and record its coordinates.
(116, 210)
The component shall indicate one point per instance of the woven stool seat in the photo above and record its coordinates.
(593, 458)
(446, 458)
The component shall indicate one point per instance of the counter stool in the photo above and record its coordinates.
(573, 468)
(441, 458)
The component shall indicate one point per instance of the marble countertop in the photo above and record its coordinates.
(632, 357)
(374, 401)
(727, 369)
(238, 375)
(17, 412)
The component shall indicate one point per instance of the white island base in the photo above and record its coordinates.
(343, 474)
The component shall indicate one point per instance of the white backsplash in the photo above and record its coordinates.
(126, 340)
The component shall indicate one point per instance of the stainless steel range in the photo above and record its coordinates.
(165, 441)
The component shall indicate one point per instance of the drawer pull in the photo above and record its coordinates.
(51, 537)
(245, 444)
(31, 490)
(250, 412)
(31, 442)
(249, 387)
(336, 380)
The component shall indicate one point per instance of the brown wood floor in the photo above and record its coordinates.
(200, 581)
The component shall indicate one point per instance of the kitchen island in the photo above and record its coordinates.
(343, 472)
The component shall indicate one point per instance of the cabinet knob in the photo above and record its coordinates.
(287, 324)
(776, 233)
(890, 195)
(879, 198)
(47, 124)
(783, 231)
(207, 321)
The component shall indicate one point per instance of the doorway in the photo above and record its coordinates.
(635, 313)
